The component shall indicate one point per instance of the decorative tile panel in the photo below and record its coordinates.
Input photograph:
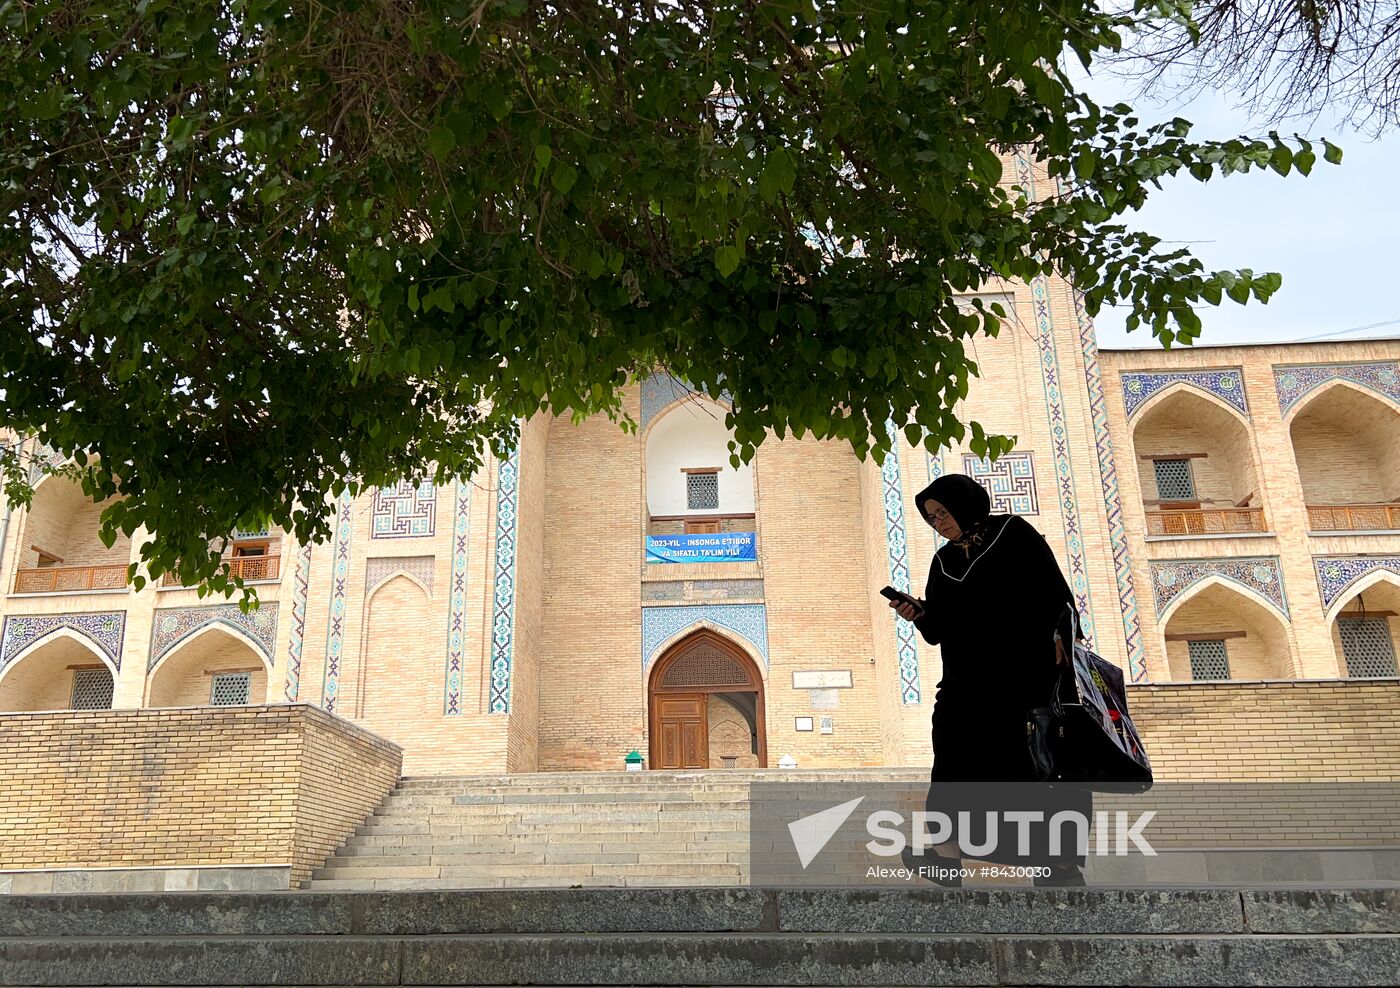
(335, 633)
(301, 584)
(1337, 574)
(457, 605)
(1172, 578)
(105, 630)
(935, 470)
(404, 511)
(701, 590)
(174, 625)
(1059, 430)
(1227, 385)
(897, 548)
(382, 568)
(503, 618)
(1295, 383)
(1113, 502)
(1010, 481)
(45, 458)
(659, 624)
(661, 389)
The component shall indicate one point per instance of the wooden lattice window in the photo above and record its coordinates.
(702, 491)
(92, 689)
(1174, 480)
(231, 689)
(706, 665)
(1208, 659)
(1367, 647)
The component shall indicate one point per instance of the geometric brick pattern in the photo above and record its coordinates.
(380, 569)
(1261, 574)
(699, 591)
(1336, 574)
(335, 633)
(897, 544)
(1010, 481)
(503, 619)
(659, 624)
(174, 625)
(301, 584)
(1113, 502)
(403, 511)
(1294, 383)
(104, 630)
(457, 605)
(661, 389)
(1226, 384)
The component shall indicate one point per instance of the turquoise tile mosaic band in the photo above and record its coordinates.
(301, 584)
(897, 550)
(335, 633)
(1059, 430)
(503, 612)
(1338, 574)
(457, 605)
(1227, 385)
(661, 624)
(175, 625)
(104, 630)
(1296, 383)
(1261, 575)
(1112, 499)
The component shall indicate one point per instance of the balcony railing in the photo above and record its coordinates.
(1353, 517)
(249, 567)
(1205, 521)
(57, 579)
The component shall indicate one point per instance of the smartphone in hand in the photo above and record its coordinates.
(900, 597)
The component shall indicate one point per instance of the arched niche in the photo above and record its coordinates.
(701, 683)
(1218, 617)
(53, 672)
(59, 549)
(687, 456)
(1346, 443)
(184, 677)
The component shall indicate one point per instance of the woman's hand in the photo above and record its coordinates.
(909, 612)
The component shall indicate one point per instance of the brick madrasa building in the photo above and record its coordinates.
(1228, 518)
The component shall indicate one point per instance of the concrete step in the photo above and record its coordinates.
(689, 936)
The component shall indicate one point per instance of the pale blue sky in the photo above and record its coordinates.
(1329, 234)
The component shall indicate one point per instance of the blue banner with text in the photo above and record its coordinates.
(717, 547)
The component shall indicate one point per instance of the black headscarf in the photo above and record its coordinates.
(967, 501)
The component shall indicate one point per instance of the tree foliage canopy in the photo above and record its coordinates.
(255, 251)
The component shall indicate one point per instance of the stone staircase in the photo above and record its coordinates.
(706, 936)
(565, 829)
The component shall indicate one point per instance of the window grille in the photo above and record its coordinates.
(1367, 647)
(92, 689)
(1208, 660)
(701, 491)
(231, 689)
(1174, 481)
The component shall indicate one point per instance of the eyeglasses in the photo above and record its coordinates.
(940, 515)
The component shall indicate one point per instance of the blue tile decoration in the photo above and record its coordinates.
(1295, 383)
(105, 630)
(1337, 574)
(662, 389)
(747, 621)
(335, 633)
(174, 625)
(1059, 430)
(503, 618)
(935, 470)
(404, 511)
(44, 459)
(1260, 574)
(1010, 481)
(897, 547)
(457, 605)
(1226, 384)
(1113, 502)
(301, 584)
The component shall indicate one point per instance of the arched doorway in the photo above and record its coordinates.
(700, 678)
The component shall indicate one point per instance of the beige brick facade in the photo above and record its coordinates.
(196, 788)
(511, 622)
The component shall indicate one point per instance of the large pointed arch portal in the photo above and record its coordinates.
(694, 678)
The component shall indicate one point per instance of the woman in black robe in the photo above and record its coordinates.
(996, 605)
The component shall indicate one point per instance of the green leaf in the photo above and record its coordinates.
(1331, 153)
(441, 141)
(564, 177)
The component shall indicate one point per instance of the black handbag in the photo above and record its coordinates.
(1084, 737)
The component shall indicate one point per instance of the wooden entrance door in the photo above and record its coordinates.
(680, 727)
(678, 699)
